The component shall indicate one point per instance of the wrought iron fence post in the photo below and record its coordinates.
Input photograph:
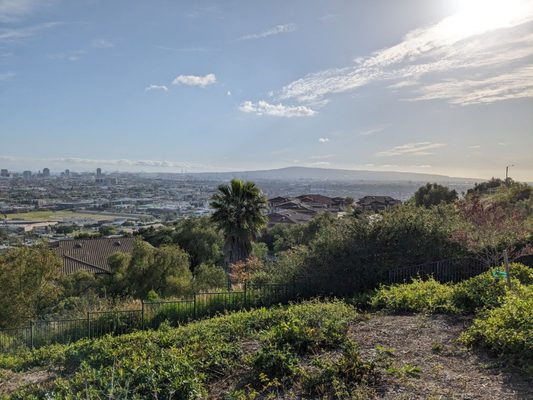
(294, 287)
(245, 295)
(88, 324)
(194, 306)
(31, 334)
(142, 314)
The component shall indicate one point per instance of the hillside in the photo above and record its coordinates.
(310, 350)
(327, 174)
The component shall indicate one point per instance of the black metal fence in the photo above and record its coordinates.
(150, 316)
(449, 270)
(153, 313)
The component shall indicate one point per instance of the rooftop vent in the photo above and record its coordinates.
(117, 243)
(77, 246)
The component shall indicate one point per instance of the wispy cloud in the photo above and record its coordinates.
(482, 43)
(102, 44)
(156, 88)
(475, 146)
(194, 80)
(193, 49)
(276, 30)
(275, 110)
(17, 34)
(373, 131)
(6, 76)
(13, 10)
(323, 140)
(321, 157)
(74, 55)
(513, 85)
(411, 149)
(110, 162)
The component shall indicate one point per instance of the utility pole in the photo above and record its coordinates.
(507, 171)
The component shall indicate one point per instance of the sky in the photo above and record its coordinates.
(440, 87)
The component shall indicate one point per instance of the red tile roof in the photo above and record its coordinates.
(90, 254)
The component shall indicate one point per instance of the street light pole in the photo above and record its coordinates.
(507, 171)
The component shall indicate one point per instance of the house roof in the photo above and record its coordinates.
(90, 254)
(377, 199)
(315, 198)
(290, 217)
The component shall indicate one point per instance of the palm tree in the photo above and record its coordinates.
(239, 213)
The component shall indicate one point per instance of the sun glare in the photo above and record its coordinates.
(478, 16)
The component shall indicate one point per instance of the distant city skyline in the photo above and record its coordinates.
(442, 87)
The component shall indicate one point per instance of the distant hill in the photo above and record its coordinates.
(326, 174)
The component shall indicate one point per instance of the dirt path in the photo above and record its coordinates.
(438, 366)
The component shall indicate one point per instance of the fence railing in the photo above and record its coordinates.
(448, 270)
(153, 313)
(150, 316)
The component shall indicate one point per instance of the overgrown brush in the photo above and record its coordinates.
(418, 296)
(181, 362)
(507, 330)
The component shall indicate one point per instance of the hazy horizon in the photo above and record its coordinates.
(442, 87)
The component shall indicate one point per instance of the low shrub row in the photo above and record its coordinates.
(503, 320)
(266, 346)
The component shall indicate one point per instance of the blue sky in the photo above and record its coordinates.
(414, 85)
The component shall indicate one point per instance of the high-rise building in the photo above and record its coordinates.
(46, 172)
(26, 174)
(98, 172)
(67, 172)
(4, 173)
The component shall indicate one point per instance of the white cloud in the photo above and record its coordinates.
(17, 34)
(228, 93)
(156, 87)
(285, 28)
(475, 146)
(481, 43)
(373, 131)
(102, 44)
(115, 162)
(323, 140)
(194, 80)
(321, 157)
(12, 10)
(320, 164)
(275, 110)
(6, 76)
(411, 149)
(74, 55)
(513, 85)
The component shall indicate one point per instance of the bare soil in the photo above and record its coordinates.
(448, 370)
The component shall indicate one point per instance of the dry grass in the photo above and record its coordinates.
(447, 369)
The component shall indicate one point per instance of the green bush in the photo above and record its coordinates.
(340, 377)
(275, 362)
(418, 296)
(507, 330)
(171, 363)
(484, 291)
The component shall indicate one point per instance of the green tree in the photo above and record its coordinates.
(201, 239)
(433, 194)
(208, 277)
(27, 282)
(239, 213)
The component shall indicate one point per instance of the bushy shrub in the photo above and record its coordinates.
(209, 277)
(507, 330)
(418, 296)
(166, 361)
(275, 362)
(340, 377)
(485, 291)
